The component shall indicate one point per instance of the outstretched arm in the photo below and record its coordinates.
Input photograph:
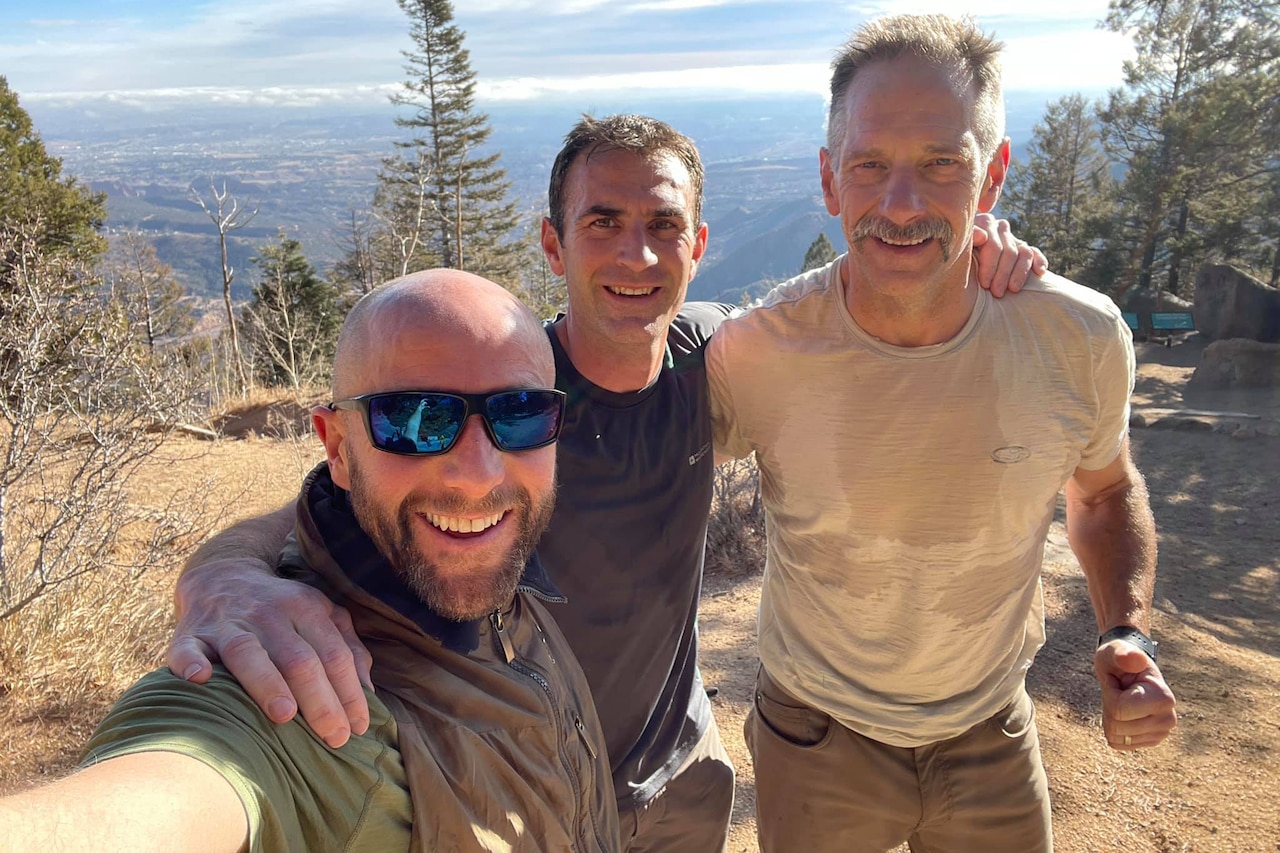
(1112, 533)
(289, 646)
(1002, 261)
(148, 802)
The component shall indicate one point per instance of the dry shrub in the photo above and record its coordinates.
(735, 533)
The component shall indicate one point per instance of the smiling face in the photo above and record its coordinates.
(457, 527)
(908, 180)
(631, 243)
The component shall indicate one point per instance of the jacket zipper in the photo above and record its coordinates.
(582, 732)
(509, 654)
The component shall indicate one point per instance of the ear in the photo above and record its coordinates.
(329, 426)
(830, 192)
(699, 248)
(997, 171)
(551, 247)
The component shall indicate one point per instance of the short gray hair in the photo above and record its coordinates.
(954, 43)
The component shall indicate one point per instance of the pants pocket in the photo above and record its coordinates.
(1015, 719)
(788, 717)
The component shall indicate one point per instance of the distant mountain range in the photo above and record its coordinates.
(306, 171)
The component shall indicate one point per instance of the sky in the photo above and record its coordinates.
(286, 53)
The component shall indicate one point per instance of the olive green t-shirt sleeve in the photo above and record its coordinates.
(298, 793)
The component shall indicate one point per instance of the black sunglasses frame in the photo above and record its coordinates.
(472, 404)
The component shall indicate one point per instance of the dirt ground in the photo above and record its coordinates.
(1213, 786)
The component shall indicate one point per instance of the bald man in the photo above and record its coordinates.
(439, 479)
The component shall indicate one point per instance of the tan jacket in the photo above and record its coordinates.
(500, 742)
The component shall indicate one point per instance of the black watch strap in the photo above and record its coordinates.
(1133, 636)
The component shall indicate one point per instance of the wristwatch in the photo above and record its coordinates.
(1133, 636)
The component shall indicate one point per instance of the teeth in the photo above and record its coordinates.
(463, 525)
(902, 242)
(632, 291)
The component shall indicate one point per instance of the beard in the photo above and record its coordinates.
(459, 592)
(881, 228)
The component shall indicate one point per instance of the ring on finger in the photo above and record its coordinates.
(1128, 741)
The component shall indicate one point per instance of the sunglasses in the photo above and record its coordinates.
(426, 423)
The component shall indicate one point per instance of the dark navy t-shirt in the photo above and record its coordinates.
(626, 546)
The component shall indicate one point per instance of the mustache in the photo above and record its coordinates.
(922, 229)
(452, 503)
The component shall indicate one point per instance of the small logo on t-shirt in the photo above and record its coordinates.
(1011, 455)
(702, 451)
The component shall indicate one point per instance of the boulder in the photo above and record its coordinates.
(1144, 300)
(1239, 363)
(1232, 304)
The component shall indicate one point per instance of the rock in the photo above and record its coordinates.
(1232, 304)
(1137, 420)
(1245, 433)
(1188, 424)
(1145, 300)
(1238, 363)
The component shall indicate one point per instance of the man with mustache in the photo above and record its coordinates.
(482, 736)
(626, 542)
(912, 435)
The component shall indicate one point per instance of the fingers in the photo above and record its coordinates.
(996, 253)
(363, 659)
(190, 658)
(249, 663)
(286, 643)
(1138, 708)
(327, 680)
(1039, 263)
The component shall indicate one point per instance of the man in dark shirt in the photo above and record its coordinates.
(626, 540)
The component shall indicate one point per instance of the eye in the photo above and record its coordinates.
(603, 222)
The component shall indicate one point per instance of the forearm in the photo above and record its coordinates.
(258, 538)
(1113, 536)
(151, 801)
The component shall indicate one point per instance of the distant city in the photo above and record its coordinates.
(307, 171)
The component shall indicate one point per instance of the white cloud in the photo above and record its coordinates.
(798, 77)
(180, 96)
(340, 51)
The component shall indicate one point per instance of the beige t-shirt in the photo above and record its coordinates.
(908, 491)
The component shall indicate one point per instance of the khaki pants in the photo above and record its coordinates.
(821, 787)
(691, 813)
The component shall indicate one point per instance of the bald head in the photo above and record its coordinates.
(425, 308)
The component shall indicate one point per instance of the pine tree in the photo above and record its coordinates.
(294, 317)
(1062, 197)
(819, 254)
(60, 215)
(1195, 127)
(462, 190)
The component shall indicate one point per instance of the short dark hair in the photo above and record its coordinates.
(954, 43)
(635, 133)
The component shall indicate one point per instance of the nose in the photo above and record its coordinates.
(474, 465)
(634, 251)
(902, 200)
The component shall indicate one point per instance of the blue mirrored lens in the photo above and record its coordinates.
(523, 419)
(415, 423)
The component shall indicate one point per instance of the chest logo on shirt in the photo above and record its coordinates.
(1011, 455)
(702, 451)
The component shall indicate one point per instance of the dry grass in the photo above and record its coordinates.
(735, 532)
(66, 657)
